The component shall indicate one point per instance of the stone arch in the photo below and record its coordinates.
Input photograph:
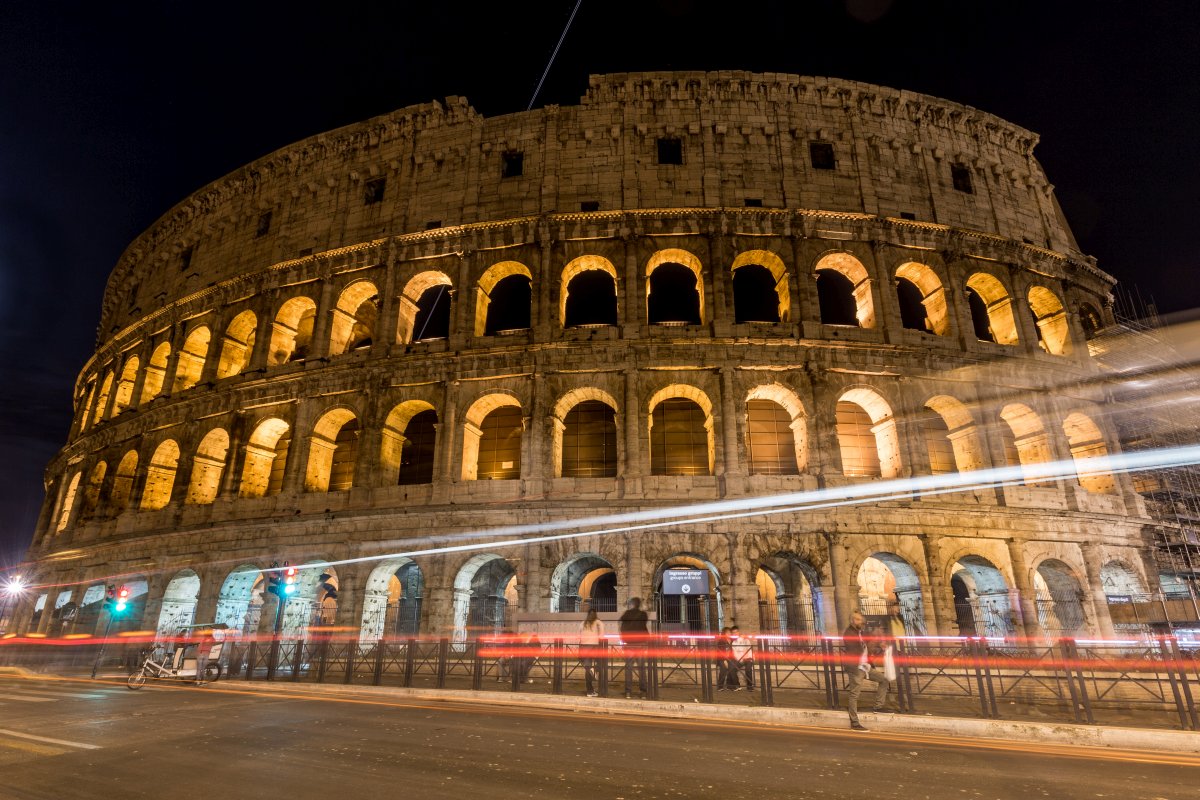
(509, 285)
(355, 316)
(690, 613)
(332, 452)
(91, 492)
(68, 503)
(125, 384)
(853, 291)
(102, 397)
(772, 450)
(758, 296)
(1051, 320)
(192, 356)
(122, 483)
(292, 330)
(580, 419)
(240, 602)
(679, 412)
(208, 467)
(992, 313)
(178, 609)
(156, 372)
(867, 435)
(583, 581)
(1059, 599)
(1090, 320)
(408, 459)
(983, 602)
(425, 306)
(1023, 437)
(493, 429)
(587, 298)
(392, 601)
(266, 457)
(1086, 442)
(485, 593)
(884, 578)
(237, 345)
(930, 294)
(669, 298)
(951, 436)
(1117, 577)
(789, 600)
(160, 475)
(314, 602)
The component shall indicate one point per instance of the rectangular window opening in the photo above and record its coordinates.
(185, 257)
(513, 164)
(907, 215)
(821, 155)
(753, 202)
(670, 151)
(961, 176)
(589, 205)
(433, 224)
(373, 191)
(264, 225)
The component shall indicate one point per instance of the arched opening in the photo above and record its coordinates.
(191, 359)
(582, 582)
(266, 458)
(425, 308)
(788, 602)
(313, 604)
(922, 299)
(1087, 443)
(1023, 437)
(237, 345)
(160, 475)
(1051, 320)
(688, 599)
(392, 601)
(409, 443)
(1001, 326)
(122, 485)
(1090, 320)
(332, 452)
(681, 441)
(982, 602)
(492, 439)
(844, 291)
(1059, 599)
(207, 468)
(503, 299)
(240, 602)
(588, 441)
(760, 288)
(867, 437)
(156, 372)
(776, 435)
(885, 581)
(951, 436)
(292, 330)
(673, 298)
(68, 503)
(102, 398)
(178, 604)
(124, 398)
(85, 418)
(589, 293)
(1125, 594)
(354, 318)
(91, 492)
(485, 595)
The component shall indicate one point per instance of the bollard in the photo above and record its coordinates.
(272, 658)
(706, 681)
(409, 661)
(351, 652)
(443, 654)
(297, 661)
(380, 650)
(476, 666)
(250, 659)
(557, 677)
(766, 689)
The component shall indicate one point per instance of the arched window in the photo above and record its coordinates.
(333, 452)
(124, 398)
(89, 393)
(291, 333)
(589, 293)
(492, 439)
(409, 443)
(760, 288)
(237, 345)
(993, 303)
(775, 431)
(503, 299)
(425, 308)
(844, 291)
(102, 398)
(674, 289)
(160, 476)
(912, 311)
(156, 372)
(122, 485)
(1051, 320)
(1087, 442)
(91, 494)
(1023, 436)
(589, 441)
(867, 436)
(207, 468)
(68, 503)
(951, 437)
(266, 458)
(1090, 320)
(681, 432)
(354, 318)
(191, 359)
(922, 299)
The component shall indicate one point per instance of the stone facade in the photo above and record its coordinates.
(265, 350)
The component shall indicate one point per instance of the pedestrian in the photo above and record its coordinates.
(743, 656)
(203, 648)
(635, 632)
(857, 648)
(531, 648)
(727, 680)
(591, 633)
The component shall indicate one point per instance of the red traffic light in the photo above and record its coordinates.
(289, 580)
(122, 598)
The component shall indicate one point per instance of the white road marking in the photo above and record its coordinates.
(48, 740)
(26, 699)
(55, 695)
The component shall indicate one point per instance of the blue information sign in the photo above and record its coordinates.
(685, 581)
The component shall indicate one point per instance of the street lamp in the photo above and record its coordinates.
(13, 590)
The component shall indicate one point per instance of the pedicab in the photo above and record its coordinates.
(181, 664)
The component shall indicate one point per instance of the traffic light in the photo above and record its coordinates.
(289, 580)
(122, 599)
(272, 580)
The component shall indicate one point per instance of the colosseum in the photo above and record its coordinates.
(690, 287)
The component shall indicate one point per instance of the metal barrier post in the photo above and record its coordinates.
(766, 687)
(409, 661)
(351, 652)
(557, 676)
(904, 694)
(650, 667)
(380, 649)
(250, 659)
(705, 663)
(272, 658)
(297, 661)
(1083, 692)
(476, 666)
(602, 670)
(1065, 649)
(1184, 702)
(322, 660)
(515, 662)
(443, 654)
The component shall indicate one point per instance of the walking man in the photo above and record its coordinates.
(858, 652)
(635, 631)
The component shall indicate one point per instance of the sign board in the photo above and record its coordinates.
(685, 581)
(1119, 599)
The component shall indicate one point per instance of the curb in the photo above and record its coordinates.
(950, 727)
(18, 671)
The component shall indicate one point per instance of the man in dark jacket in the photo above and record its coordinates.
(635, 633)
(858, 652)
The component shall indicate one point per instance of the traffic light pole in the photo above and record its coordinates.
(103, 642)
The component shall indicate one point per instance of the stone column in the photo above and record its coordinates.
(264, 326)
(169, 372)
(1093, 561)
(235, 458)
(634, 292)
(297, 458)
(845, 603)
(319, 346)
(351, 583)
(635, 458)
(1026, 594)
(446, 430)
(939, 593)
(387, 327)
(732, 463)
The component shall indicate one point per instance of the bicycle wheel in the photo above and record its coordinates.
(212, 672)
(136, 679)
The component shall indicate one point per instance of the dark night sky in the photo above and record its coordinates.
(110, 113)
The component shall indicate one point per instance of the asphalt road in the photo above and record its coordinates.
(68, 739)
